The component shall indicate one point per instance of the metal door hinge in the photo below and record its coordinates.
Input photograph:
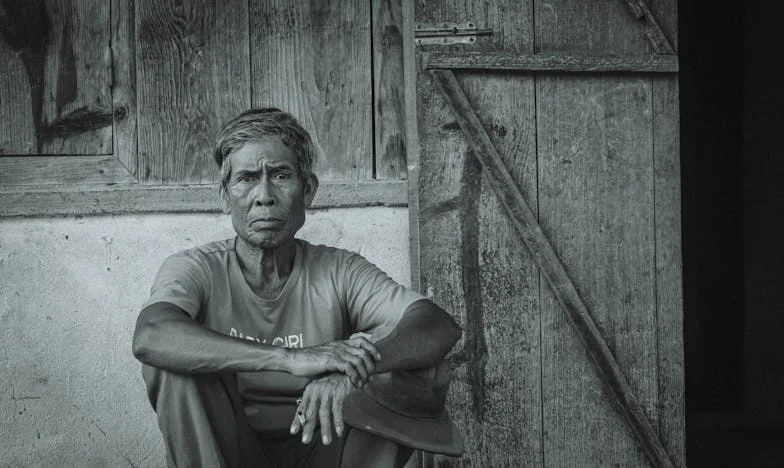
(448, 33)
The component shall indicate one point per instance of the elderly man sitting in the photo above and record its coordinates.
(255, 349)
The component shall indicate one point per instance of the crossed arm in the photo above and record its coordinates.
(167, 337)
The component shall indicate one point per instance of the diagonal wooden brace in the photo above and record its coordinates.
(654, 32)
(528, 227)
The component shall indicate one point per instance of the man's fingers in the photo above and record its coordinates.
(350, 371)
(325, 419)
(310, 422)
(367, 345)
(359, 365)
(337, 416)
(367, 359)
(299, 417)
(363, 361)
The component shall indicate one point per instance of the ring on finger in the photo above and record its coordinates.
(300, 413)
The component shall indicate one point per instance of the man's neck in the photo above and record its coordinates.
(266, 270)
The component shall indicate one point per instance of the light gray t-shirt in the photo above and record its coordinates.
(330, 294)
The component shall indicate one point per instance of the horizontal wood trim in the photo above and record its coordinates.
(58, 170)
(551, 63)
(118, 199)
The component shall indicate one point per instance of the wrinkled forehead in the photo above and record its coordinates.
(266, 151)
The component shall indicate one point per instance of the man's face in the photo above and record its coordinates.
(265, 195)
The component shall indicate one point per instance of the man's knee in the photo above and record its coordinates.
(366, 449)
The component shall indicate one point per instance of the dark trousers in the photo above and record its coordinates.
(203, 424)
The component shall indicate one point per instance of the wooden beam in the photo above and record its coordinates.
(551, 63)
(61, 200)
(412, 140)
(532, 235)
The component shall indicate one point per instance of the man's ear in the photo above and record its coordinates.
(310, 189)
(224, 196)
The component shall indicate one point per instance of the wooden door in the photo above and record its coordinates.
(572, 346)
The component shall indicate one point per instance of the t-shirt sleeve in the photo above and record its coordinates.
(375, 302)
(182, 280)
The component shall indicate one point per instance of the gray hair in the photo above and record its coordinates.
(254, 124)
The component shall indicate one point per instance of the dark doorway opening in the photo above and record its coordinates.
(732, 120)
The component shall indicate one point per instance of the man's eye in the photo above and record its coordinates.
(281, 176)
(246, 178)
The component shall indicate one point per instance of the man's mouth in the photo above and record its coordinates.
(266, 222)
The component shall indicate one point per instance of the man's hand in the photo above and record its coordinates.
(322, 405)
(355, 357)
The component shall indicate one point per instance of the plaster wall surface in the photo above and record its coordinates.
(71, 392)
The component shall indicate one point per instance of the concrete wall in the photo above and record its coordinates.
(71, 393)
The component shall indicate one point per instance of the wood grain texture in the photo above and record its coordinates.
(192, 76)
(312, 58)
(551, 63)
(550, 266)
(388, 90)
(577, 27)
(73, 200)
(596, 207)
(669, 262)
(18, 130)
(124, 87)
(656, 36)
(471, 260)
(410, 68)
(666, 14)
(47, 170)
(61, 50)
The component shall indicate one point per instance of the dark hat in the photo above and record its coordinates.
(408, 408)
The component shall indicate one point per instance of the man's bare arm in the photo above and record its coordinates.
(422, 338)
(167, 337)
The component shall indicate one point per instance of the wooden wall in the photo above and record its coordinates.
(114, 106)
(595, 156)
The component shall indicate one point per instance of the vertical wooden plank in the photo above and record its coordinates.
(410, 70)
(596, 207)
(312, 58)
(63, 47)
(669, 261)
(18, 129)
(596, 28)
(669, 257)
(388, 90)
(192, 76)
(124, 88)
(472, 260)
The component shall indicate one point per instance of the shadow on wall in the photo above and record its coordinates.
(72, 288)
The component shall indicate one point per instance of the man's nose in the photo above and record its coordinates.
(264, 195)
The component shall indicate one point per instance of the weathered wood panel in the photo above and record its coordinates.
(594, 28)
(472, 260)
(388, 86)
(18, 131)
(596, 193)
(56, 90)
(669, 279)
(192, 76)
(312, 58)
(666, 14)
(596, 207)
(46, 170)
(551, 62)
